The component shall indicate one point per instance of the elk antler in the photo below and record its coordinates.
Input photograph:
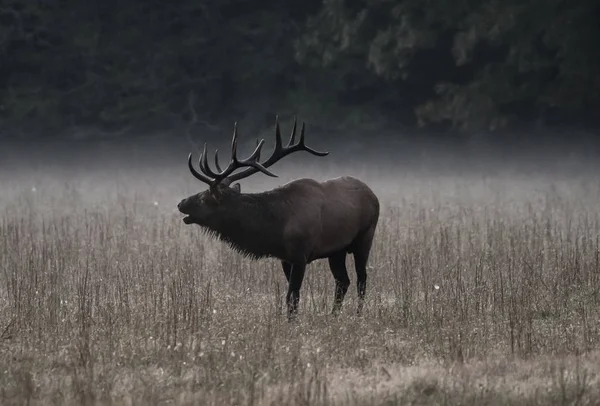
(252, 162)
(278, 152)
(214, 178)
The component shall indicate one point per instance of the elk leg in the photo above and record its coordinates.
(361, 256)
(337, 264)
(360, 259)
(287, 269)
(293, 295)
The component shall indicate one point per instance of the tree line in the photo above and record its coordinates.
(138, 65)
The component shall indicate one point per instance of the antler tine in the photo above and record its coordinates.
(200, 157)
(234, 144)
(221, 173)
(256, 153)
(301, 141)
(259, 151)
(293, 135)
(204, 164)
(201, 177)
(302, 145)
(251, 161)
(217, 160)
(278, 142)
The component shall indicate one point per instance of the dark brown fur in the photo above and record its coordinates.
(298, 223)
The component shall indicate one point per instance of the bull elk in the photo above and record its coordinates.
(299, 222)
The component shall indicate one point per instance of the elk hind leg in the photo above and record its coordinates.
(361, 253)
(287, 270)
(337, 264)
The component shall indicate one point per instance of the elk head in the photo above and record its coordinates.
(223, 196)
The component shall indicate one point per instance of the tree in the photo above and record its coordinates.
(148, 64)
(510, 60)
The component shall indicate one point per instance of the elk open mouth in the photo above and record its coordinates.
(188, 219)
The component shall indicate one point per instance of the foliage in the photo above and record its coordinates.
(510, 59)
(150, 64)
(116, 63)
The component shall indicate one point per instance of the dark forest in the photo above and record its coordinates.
(117, 68)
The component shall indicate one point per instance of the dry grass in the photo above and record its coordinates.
(482, 290)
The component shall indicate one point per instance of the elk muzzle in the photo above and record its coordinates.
(184, 206)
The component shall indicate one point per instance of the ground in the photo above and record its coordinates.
(482, 289)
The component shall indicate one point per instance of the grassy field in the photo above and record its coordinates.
(481, 290)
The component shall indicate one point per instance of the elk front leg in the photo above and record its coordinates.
(295, 283)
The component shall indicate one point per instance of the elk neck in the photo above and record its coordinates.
(252, 224)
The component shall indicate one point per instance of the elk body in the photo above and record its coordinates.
(299, 222)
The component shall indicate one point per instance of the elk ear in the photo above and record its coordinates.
(236, 187)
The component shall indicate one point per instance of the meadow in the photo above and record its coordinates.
(484, 288)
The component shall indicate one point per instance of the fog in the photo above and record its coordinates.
(527, 150)
(154, 169)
